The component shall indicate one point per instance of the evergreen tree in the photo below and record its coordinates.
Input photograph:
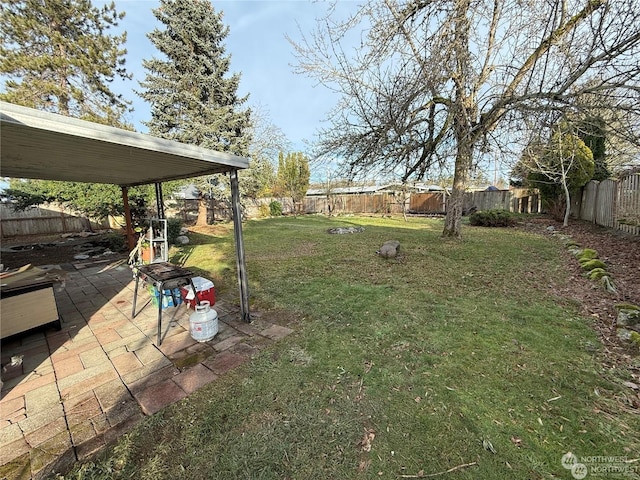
(593, 133)
(57, 56)
(193, 99)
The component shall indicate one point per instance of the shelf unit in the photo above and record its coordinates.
(157, 238)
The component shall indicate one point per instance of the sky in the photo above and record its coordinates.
(259, 51)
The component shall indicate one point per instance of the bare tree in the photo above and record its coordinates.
(438, 82)
(558, 167)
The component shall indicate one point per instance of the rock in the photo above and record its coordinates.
(81, 256)
(389, 249)
(627, 318)
(182, 240)
(608, 284)
(184, 231)
(551, 228)
(624, 334)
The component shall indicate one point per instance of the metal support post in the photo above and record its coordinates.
(243, 283)
(131, 240)
(159, 201)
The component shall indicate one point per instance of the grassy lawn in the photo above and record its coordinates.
(456, 354)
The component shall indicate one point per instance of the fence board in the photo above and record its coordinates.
(628, 211)
(605, 204)
(587, 208)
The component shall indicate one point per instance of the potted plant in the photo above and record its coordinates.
(145, 252)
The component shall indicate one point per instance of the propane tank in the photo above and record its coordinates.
(203, 323)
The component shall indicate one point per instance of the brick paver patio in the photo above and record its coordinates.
(66, 394)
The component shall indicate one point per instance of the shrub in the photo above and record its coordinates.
(174, 225)
(275, 208)
(263, 210)
(493, 218)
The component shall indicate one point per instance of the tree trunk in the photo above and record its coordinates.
(455, 206)
(567, 199)
(405, 197)
(202, 211)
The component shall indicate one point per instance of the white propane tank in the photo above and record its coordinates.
(203, 323)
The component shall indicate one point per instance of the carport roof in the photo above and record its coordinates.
(42, 145)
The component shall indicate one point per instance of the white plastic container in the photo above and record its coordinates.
(203, 323)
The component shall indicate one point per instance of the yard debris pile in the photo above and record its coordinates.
(344, 230)
(58, 249)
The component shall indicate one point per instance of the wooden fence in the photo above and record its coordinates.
(431, 203)
(355, 203)
(515, 200)
(43, 221)
(187, 210)
(628, 204)
(520, 200)
(611, 203)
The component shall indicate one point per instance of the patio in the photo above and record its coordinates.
(68, 393)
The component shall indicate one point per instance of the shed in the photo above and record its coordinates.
(41, 145)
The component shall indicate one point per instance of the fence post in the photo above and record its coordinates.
(64, 222)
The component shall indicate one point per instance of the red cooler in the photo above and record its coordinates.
(204, 289)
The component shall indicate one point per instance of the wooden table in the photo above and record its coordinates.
(162, 275)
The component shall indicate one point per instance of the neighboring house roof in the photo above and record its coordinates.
(428, 188)
(393, 187)
(344, 190)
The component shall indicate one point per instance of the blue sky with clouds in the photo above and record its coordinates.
(259, 51)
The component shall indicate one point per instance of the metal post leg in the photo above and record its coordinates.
(161, 291)
(135, 296)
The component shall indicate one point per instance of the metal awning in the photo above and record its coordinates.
(47, 146)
